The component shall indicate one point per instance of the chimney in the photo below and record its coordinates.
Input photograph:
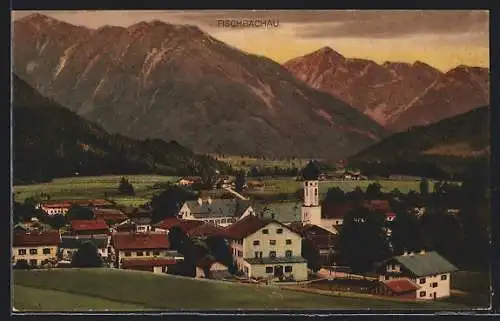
(422, 252)
(200, 201)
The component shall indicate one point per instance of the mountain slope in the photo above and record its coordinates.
(447, 146)
(52, 141)
(174, 82)
(397, 95)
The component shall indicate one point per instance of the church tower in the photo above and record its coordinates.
(311, 209)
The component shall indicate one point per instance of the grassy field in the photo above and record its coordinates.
(101, 289)
(95, 187)
(241, 162)
(275, 186)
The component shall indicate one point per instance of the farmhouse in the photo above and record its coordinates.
(70, 244)
(35, 247)
(222, 212)
(168, 223)
(136, 246)
(55, 208)
(266, 249)
(155, 265)
(89, 227)
(430, 271)
(325, 241)
(110, 215)
(136, 224)
(63, 206)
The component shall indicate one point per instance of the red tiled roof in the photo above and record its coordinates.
(401, 285)
(185, 225)
(132, 241)
(246, 226)
(98, 202)
(110, 214)
(379, 205)
(129, 263)
(89, 225)
(206, 229)
(35, 238)
(57, 205)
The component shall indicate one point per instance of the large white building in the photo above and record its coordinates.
(267, 249)
(221, 212)
(429, 270)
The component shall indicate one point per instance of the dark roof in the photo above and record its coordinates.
(429, 263)
(185, 225)
(218, 207)
(33, 238)
(276, 260)
(73, 242)
(130, 263)
(132, 241)
(248, 225)
(401, 285)
(109, 214)
(89, 225)
(311, 171)
(205, 230)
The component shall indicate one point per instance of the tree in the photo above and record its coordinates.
(77, 212)
(424, 187)
(22, 265)
(362, 240)
(335, 195)
(221, 251)
(209, 177)
(180, 242)
(57, 221)
(406, 234)
(125, 188)
(86, 256)
(240, 181)
(311, 253)
(373, 191)
(169, 202)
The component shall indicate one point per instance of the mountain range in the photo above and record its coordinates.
(445, 148)
(176, 82)
(396, 95)
(52, 141)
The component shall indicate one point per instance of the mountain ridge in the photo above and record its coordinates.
(157, 80)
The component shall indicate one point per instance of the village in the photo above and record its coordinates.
(240, 242)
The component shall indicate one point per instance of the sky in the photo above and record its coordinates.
(443, 39)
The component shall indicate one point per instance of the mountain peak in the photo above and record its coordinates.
(327, 51)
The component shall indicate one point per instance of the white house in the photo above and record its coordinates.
(429, 270)
(266, 249)
(222, 212)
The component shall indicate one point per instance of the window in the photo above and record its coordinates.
(127, 254)
(147, 253)
(386, 277)
(46, 251)
(443, 277)
(140, 253)
(422, 280)
(269, 269)
(256, 255)
(272, 242)
(422, 293)
(240, 254)
(156, 253)
(288, 268)
(315, 192)
(21, 251)
(288, 242)
(279, 231)
(265, 231)
(272, 254)
(256, 242)
(33, 251)
(288, 253)
(434, 285)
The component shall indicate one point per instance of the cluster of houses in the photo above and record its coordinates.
(263, 248)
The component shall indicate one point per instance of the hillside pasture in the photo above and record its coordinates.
(95, 187)
(145, 290)
(243, 162)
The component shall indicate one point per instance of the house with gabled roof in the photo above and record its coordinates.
(35, 247)
(429, 270)
(70, 245)
(89, 227)
(266, 249)
(221, 212)
(142, 246)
